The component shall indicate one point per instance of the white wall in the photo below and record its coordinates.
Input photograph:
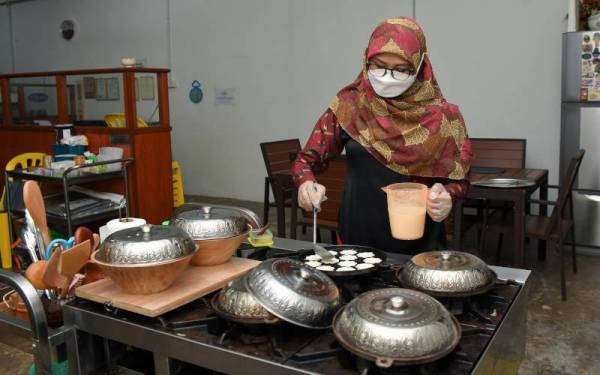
(499, 60)
(285, 58)
(108, 31)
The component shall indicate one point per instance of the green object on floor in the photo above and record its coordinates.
(60, 368)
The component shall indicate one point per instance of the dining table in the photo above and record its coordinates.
(517, 196)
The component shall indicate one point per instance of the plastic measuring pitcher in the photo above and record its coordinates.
(407, 204)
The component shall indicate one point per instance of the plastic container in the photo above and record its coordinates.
(407, 205)
(66, 152)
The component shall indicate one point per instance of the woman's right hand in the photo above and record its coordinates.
(311, 194)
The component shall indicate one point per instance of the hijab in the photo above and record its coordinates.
(417, 133)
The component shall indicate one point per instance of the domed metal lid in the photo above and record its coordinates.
(303, 280)
(396, 326)
(295, 292)
(447, 260)
(398, 308)
(147, 244)
(447, 273)
(235, 303)
(210, 222)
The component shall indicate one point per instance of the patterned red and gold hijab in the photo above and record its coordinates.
(418, 133)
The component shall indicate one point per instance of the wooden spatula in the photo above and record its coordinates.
(73, 259)
(34, 202)
(52, 277)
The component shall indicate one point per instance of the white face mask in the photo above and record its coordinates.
(387, 86)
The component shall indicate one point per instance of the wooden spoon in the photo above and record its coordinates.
(83, 234)
(93, 272)
(35, 274)
(263, 230)
(96, 242)
(34, 202)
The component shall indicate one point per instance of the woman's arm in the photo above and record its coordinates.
(323, 145)
(457, 189)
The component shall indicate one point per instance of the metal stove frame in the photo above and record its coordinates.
(505, 350)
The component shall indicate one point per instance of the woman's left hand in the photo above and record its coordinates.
(439, 202)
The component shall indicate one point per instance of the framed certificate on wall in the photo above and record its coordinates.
(100, 88)
(89, 88)
(147, 88)
(112, 89)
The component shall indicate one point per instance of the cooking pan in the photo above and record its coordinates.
(301, 254)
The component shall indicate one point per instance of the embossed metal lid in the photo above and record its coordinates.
(395, 325)
(446, 273)
(147, 244)
(447, 260)
(234, 302)
(294, 292)
(210, 222)
(396, 308)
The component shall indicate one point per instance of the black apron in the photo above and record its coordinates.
(363, 216)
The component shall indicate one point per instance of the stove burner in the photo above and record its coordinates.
(229, 332)
(194, 314)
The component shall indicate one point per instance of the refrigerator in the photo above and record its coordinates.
(580, 128)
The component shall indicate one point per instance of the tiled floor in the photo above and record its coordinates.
(562, 337)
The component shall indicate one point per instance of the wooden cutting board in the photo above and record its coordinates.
(194, 282)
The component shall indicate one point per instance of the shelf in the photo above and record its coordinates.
(581, 103)
(83, 178)
(109, 213)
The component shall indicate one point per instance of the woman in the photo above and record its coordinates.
(395, 126)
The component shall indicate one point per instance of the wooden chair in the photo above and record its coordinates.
(276, 156)
(117, 120)
(22, 161)
(492, 154)
(498, 152)
(333, 179)
(553, 229)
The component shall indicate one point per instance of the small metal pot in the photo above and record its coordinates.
(146, 259)
(447, 274)
(234, 303)
(217, 230)
(395, 326)
(294, 292)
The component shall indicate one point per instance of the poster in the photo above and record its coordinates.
(590, 67)
(225, 96)
(89, 87)
(147, 88)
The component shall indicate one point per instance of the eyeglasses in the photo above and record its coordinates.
(399, 74)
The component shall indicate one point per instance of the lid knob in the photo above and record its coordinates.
(304, 274)
(146, 228)
(398, 303)
(445, 256)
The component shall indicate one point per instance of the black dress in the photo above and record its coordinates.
(363, 216)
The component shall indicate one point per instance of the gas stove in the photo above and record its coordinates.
(492, 332)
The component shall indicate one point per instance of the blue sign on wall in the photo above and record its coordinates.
(38, 97)
(196, 93)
